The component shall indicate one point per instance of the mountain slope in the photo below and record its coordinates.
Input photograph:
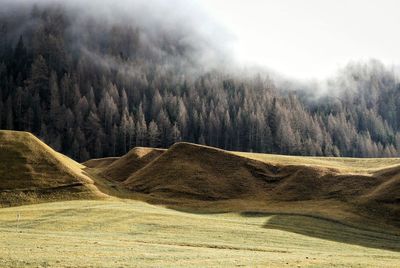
(30, 171)
(125, 71)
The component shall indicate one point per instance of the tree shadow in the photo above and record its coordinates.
(329, 230)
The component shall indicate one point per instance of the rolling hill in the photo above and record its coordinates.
(30, 172)
(135, 159)
(194, 177)
(189, 175)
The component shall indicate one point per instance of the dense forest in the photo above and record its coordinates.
(91, 88)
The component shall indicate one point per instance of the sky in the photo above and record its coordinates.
(309, 39)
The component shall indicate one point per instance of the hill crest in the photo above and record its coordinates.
(134, 160)
(30, 171)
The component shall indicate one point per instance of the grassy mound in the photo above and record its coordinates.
(200, 173)
(30, 172)
(208, 173)
(135, 159)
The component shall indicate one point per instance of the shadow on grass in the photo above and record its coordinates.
(329, 230)
(198, 211)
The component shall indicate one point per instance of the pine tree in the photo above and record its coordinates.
(1, 111)
(175, 134)
(20, 58)
(123, 132)
(141, 128)
(39, 79)
(9, 113)
(153, 134)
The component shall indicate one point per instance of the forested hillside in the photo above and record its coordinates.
(92, 88)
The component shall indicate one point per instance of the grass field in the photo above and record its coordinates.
(342, 164)
(120, 233)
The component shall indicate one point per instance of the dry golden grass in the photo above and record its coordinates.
(135, 159)
(354, 191)
(342, 164)
(135, 234)
(30, 171)
(228, 209)
(188, 174)
(100, 163)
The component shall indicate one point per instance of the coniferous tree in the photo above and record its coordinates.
(39, 79)
(153, 134)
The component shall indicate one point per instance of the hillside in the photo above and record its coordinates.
(93, 87)
(349, 165)
(200, 172)
(30, 172)
(100, 163)
(135, 159)
(187, 174)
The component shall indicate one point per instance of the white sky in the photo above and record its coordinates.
(309, 39)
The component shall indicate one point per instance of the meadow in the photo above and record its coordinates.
(129, 233)
(342, 164)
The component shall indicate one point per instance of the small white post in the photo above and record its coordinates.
(18, 217)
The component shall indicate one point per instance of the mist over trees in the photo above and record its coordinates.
(97, 89)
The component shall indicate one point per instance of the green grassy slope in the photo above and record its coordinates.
(132, 233)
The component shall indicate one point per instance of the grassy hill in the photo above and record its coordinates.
(349, 190)
(192, 171)
(135, 159)
(219, 208)
(30, 172)
(193, 177)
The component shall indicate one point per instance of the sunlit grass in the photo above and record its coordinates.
(343, 164)
(132, 233)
